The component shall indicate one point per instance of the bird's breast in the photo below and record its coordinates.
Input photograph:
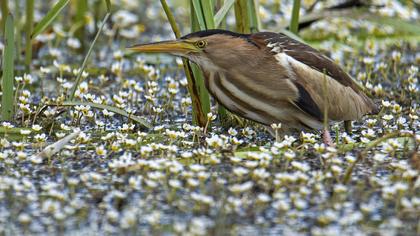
(248, 103)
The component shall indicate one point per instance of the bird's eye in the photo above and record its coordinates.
(201, 44)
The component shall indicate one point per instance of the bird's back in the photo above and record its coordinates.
(346, 99)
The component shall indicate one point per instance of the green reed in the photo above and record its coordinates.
(4, 9)
(28, 29)
(294, 22)
(199, 116)
(7, 100)
(246, 16)
(204, 17)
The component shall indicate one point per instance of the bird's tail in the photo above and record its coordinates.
(374, 108)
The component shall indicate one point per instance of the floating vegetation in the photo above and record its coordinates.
(106, 144)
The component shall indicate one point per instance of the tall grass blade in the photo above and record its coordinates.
(201, 91)
(253, 16)
(171, 19)
(118, 111)
(28, 29)
(242, 17)
(292, 35)
(294, 22)
(207, 8)
(7, 99)
(82, 68)
(208, 14)
(198, 11)
(198, 74)
(199, 116)
(223, 11)
(4, 7)
(18, 30)
(49, 17)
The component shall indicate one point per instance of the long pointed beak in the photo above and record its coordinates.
(177, 47)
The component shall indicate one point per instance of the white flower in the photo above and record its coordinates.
(240, 171)
(232, 131)
(215, 141)
(124, 18)
(174, 183)
(289, 155)
(263, 198)
(25, 131)
(186, 154)
(239, 188)
(386, 104)
(369, 133)
(73, 43)
(101, 151)
(210, 116)
(276, 126)
(300, 166)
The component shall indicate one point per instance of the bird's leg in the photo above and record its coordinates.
(270, 130)
(348, 126)
(275, 130)
(326, 137)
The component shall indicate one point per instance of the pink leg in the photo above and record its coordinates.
(326, 137)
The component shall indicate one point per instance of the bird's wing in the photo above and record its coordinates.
(309, 56)
(347, 101)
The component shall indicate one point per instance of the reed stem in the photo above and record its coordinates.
(4, 7)
(242, 17)
(294, 22)
(199, 112)
(7, 100)
(28, 31)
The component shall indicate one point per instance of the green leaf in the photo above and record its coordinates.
(51, 15)
(109, 108)
(14, 130)
(242, 16)
(199, 117)
(7, 100)
(199, 14)
(292, 35)
(14, 134)
(253, 16)
(4, 9)
(201, 87)
(221, 14)
(244, 154)
(208, 13)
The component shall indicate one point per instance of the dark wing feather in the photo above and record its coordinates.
(307, 104)
(309, 56)
(314, 59)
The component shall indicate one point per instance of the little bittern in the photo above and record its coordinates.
(270, 78)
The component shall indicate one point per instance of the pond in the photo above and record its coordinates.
(136, 164)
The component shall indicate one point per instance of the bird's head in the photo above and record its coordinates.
(211, 49)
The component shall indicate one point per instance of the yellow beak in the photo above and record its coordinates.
(177, 47)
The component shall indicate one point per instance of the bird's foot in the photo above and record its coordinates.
(326, 137)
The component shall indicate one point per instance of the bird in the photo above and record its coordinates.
(271, 78)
